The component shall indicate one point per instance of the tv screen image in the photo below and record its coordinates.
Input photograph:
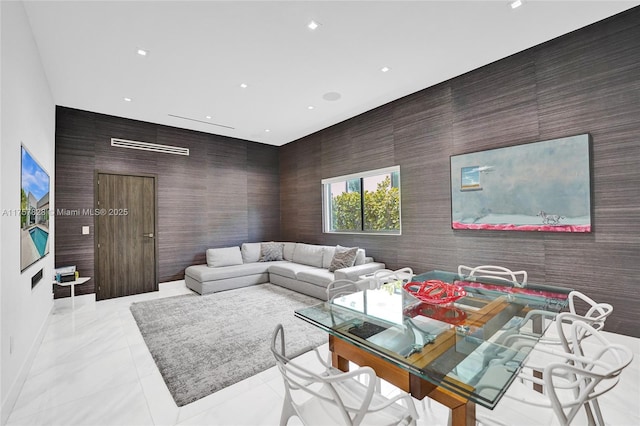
(34, 211)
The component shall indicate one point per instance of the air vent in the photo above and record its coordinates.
(200, 121)
(146, 146)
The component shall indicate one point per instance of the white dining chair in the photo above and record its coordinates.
(343, 287)
(594, 314)
(571, 381)
(336, 398)
(496, 272)
(384, 276)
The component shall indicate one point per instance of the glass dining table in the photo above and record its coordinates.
(440, 344)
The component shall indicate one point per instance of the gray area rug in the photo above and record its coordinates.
(202, 344)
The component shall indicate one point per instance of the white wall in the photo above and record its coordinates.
(27, 117)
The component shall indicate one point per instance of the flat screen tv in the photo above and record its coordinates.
(34, 211)
(540, 186)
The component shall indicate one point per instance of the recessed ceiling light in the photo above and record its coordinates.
(331, 96)
(142, 52)
(127, 99)
(313, 25)
(310, 107)
(267, 130)
(243, 85)
(208, 117)
(516, 4)
(385, 69)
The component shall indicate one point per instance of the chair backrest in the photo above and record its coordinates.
(495, 272)
(342, 407)
(595, 315)
(300, 380)
(571, 380)
(341, 287)
(383, 276)
(590, 372)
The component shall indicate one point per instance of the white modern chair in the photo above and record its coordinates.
(380, 278)
(595, 314)
(336, 398)
(384, 276)
(571, 381)
(495, 272)
(342, 287)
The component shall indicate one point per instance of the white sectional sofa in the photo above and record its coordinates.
(305, 268)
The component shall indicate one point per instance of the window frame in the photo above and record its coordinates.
(326, 196)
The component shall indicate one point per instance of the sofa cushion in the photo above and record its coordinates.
(287, 251)
(288, 269)
(318, 276)
(270, 252)
(226, 256)
(360, 257)
(251, 252)
(344, 257)
(308, 254)
(203, 273)
(327, 256)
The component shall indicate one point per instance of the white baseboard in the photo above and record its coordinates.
(14, 391)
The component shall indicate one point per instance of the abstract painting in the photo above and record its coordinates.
(540, 186)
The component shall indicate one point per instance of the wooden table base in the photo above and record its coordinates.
(463, 411)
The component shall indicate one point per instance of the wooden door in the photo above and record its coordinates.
(125, 235)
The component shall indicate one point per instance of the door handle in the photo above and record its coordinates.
(150, 235)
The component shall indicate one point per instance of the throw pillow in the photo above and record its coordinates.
(271, 252)
(344, 257)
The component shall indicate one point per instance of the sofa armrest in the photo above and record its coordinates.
(354, 272)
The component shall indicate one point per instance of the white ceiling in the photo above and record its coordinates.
(200, 52)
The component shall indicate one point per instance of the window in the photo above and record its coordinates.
(367, 202)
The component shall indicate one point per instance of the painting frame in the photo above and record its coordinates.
(539, 186)
(35, 187)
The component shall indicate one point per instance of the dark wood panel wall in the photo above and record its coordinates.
(225, 192)
(585, 82)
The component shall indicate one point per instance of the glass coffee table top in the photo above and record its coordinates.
(473, 346)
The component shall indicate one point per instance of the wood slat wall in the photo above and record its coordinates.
(225, 192)
(585, 82)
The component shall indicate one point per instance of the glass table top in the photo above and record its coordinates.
(466, 346)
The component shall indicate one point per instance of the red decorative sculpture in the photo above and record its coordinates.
(435, 291)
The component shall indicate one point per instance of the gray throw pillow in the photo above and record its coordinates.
(271, 251)
(344, 257)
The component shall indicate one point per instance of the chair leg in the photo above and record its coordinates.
(287, 411)
(426, 404)
(596, 407)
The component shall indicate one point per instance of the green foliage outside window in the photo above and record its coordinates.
(345, 211)
(24, 207)
(381, 209)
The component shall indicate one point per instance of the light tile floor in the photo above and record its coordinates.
(93, 368)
